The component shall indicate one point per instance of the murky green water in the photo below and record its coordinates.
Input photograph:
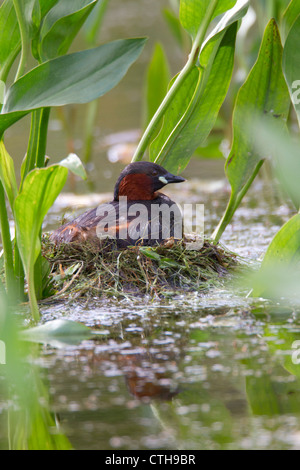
(187, 372)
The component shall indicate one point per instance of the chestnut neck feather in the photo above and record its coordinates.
(137, 187)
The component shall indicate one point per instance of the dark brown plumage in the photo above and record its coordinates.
(145, 219)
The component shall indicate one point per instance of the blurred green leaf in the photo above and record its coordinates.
(174, 25)
(211, 148)
(94, 22)
(213, 40)
(61, 25)
(166, 263)
(291, 65)
(158, 77)
(192, 13)
(279, 274)
(147, 251)
(7, 174)
(75, 78)
(9, 34)
(264, 94)
(290, 15)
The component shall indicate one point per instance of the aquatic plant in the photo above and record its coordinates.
(187, 114)
(85, 269)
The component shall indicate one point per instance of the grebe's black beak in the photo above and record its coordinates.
(169, 178)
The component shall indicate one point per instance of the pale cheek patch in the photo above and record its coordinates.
(163, 180)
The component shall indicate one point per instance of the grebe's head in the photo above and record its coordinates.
(140, 180)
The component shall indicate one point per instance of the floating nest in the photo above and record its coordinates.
(186, 266)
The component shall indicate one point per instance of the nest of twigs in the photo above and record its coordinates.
(86, 270)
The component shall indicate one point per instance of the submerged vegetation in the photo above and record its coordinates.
(83, 269)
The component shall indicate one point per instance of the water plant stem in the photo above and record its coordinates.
(32, 291)
(193, 57)
(7, 246)
(233, 204)
(36, 150)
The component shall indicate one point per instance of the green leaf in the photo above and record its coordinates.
(196, 105)
(29, 10)
(290, 15)
(75, 78)
(174, 26)
(7, 174)
(9, 34)
(147, 251)
(214, 39)
(61, 25)
(285, 246)
(166, 263)
(40, 189)
(264, 94)
(285, 153)
(158, 77)
(291, 65)
(192, 12)
(279, 272)
(74, 164)
(45, 6)
(94, 22)
(59, 328)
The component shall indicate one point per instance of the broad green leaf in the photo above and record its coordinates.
(45, 6)
(56, 329)
(158, 77)
(192, 12)
(281, 263)
(75, 78)
(61, 25)
(30, 10)
(290, 15)
(174, 26)
(166, 263)
(7, 174)
(189, 120)
(74, 164)
(214, 39)
(264, 94)
(40, 189)
(211, 148)
(291, 64)
(9, 34)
